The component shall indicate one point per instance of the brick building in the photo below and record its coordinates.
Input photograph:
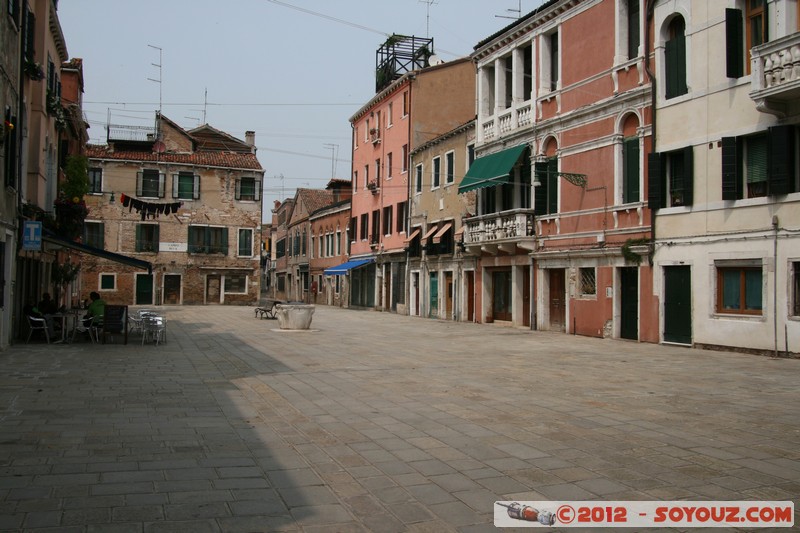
(188, 203)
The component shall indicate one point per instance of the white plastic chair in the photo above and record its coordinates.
(37, 324)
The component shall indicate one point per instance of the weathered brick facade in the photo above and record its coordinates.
(184, 204)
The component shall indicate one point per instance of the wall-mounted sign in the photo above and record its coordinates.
(32, 235)
(173, 247)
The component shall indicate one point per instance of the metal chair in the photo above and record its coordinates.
(155, 328)
(87, 325)
(37, 324)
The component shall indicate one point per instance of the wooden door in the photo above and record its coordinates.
(629, 303)
(501, 294)
(212, 289)
(557, 300)
(448, 295)
(144, 289)
(433, 292)
(470, 288)
(678, 304)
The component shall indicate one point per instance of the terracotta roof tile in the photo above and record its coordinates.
(315, 199)
(207, 159)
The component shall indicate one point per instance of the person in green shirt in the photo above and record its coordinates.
(96, 309)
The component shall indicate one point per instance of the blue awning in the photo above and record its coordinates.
(344, 268)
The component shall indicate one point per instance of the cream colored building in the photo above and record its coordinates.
(724, 179)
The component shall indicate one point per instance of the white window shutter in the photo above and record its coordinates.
(139, 180)
(257, 192)
(175, 185)
(196, 190)
(161, 182)
(238, 194)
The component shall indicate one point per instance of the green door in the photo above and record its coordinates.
(434, 295)
(678, 304)
(144, 289)
(629, 303)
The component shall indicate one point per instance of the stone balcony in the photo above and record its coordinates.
(517, 117)
(775, 69)
(500, 232)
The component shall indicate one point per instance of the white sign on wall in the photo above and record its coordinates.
(173, 247)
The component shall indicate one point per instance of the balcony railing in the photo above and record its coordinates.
(507, 121)
(507, 227)
(775, 68)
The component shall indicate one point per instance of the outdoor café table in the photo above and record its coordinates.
(64, 318)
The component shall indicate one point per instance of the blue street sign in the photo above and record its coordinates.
(32, 235)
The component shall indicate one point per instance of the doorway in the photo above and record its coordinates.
(470, 296)
(558, 315)
(172, 289)
(212, 289)
(678, 304)
(144, 289)
(448, 295)
(501, 295)
(629, 303)
(433, 289)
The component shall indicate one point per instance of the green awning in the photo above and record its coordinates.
(490, 170)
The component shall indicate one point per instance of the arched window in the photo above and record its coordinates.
(675, 58)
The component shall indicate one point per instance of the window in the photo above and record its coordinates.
(630, 170)
(387, 220)
(795, 288)
(675, 58)
(587, 279)
(734, 44)
(235, 284)
(739, 290)
(338, 248)
(303, 242)
(546, 192)
(355, 181)
(760, 165)
(376, 226)
(436, 176)
(671, 178)
(527, 72)
(93, 234)
(245, 242)
(404, 163)
(405, 103)
(401, 217)
(280, 248)
(450, 171)
(389, 115)
(389, 166)
(186, 186)
(150, 184)
(366, 176)
(508, 80)
(108, 282)
(208, 240)
(147, 237)
(418, 180)
(633, 28)
(756, 27)
(553, 56)
(378, 172)
(13, 11)
(248, 189)
(470, 155)
(364, 226)
(95, 180)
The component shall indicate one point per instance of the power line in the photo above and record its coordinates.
(219, 104)
(328, 17)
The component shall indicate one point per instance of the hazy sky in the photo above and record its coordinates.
(293, 71)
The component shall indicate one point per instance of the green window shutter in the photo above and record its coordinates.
(655, 182)
(781, 160)
(731, 174)
(734, 43)
(224, 241)
(675, 57)
(101, 238)
(139, 238)
(688, 175)
(681, 60)
(552, 185)
(630, 170)
(540, 192)
(155, 237)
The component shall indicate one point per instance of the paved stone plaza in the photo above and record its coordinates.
(377, 422)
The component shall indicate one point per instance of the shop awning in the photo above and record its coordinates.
(344, 268)
(439, 234)
(413, 234)
(429, 233)
(105, 254)
(490, 170)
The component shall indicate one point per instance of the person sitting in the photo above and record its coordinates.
(47, 306)
(96, 311)
(35, 311)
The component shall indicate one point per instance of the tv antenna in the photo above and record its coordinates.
(429, 3)
(518, 11)
(158, 81)
(334, 148)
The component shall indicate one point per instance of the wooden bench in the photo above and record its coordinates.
(267, 308)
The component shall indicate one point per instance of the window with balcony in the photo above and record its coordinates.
(245, 248)
(95, 180)
(147, 237)
(630, 170)
(186, 186)
(436, 173)
(449, 168)
(739, 289)
(671, 178)
(675, 58)
(527, 72)
(248, 189)
(550, 61)
(94, 234)
(150, 184)
(486, 90)
(208, 240)
(761, 164)
(628, 28)
(508, 81)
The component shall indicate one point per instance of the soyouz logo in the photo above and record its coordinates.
(618, 514)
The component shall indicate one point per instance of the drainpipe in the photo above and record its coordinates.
(775, 227)
(653, 115)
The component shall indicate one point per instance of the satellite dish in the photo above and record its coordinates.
(159, 147)
(435, 60)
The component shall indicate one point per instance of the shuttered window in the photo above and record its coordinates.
(630, 170)
(675, 58)
(150, 184)
(186, 186)
(734, 43)
(147, 237)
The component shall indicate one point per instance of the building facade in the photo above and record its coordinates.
(408, 111)
(188, 203)
(725, 184)
(330, 246)
(441, 281)
(564, 123)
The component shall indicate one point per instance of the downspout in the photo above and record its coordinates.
(653, 115)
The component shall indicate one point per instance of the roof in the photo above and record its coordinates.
(315, 199)
(247, 161)
(516, 23)
(209, 138)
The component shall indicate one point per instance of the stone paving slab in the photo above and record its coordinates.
(377, 422)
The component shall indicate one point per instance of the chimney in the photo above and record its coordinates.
(250, 139)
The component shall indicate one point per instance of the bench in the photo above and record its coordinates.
(267, 308)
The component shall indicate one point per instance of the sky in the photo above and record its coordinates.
(293, 71)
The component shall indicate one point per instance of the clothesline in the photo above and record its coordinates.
(149, 209)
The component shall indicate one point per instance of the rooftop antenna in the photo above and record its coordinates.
(518, 11)
(158, 81)
(334, 148)
(205, 105)
(428, 16)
